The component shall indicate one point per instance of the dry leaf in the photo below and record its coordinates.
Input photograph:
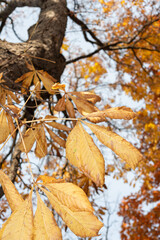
(61, 105)
(49, 179)
(83, 106)
(41, 143)
(29, 138)
(70, 110)
(20, 224)
(58, 86)
(117, 144)
(120, 113)
(11, 125)
(58, 126)
(45, 226)
(71, 203)
(26, 80)
(57, 139)
(47, 80)
(89, 96)
(4, 129)
(82, 152)
(12, 195)
(115, 113)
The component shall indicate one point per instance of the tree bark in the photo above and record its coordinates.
(46, 40)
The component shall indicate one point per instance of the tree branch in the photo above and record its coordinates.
(11, 6)
(84, 29)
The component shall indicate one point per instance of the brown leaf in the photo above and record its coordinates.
(57, 139)
(58, 126)
(11, 125)
(27, 80)
(82, 152)
(89, 96)
(47, 80)
(119, 113)
(48, 179)
(45, 226)
(4, 129)
(115, 113)
(70, 110)
(41, 143)
(116, 143)
(83, 106)
(29, 138)
(12, 195)
(61, 105)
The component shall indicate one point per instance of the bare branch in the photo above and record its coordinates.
(85, 29)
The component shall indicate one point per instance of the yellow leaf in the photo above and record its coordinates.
(83, 106)
(117, 144)
(45, 226)
(89, 96)
(58, 126)
(20, 224)
(41, 145)
(47, 80)
(10, 125)
(70, 110)
(71, 203)
(37, 84)
(4, 129)
(57, 139)
(27, 80)
(12, 195)
(61, 105)
(119, 113)
(49, 179)
(29, 139)
(82, 152)
(58, 86)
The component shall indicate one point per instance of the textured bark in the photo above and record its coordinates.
(45, 43)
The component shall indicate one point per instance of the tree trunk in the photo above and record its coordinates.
(46, 40)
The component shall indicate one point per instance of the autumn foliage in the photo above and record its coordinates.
(60, 125)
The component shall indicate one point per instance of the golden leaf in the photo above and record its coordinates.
(71, 203)
(58, 126)
(45, 226)
(117, 144)
(120, 113)
(83, 106)
(82, 152)
(57, 139)
(61, 105)
(37, 84)
(29, 138)
(27, 80)
(115, 113)
(89, 96)
(49, 179)
(20, 224)
(70, 110)
(41, 143)
(12, 195)
(58, 86)
(11, 125)
(47, 80)
(4, 129)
